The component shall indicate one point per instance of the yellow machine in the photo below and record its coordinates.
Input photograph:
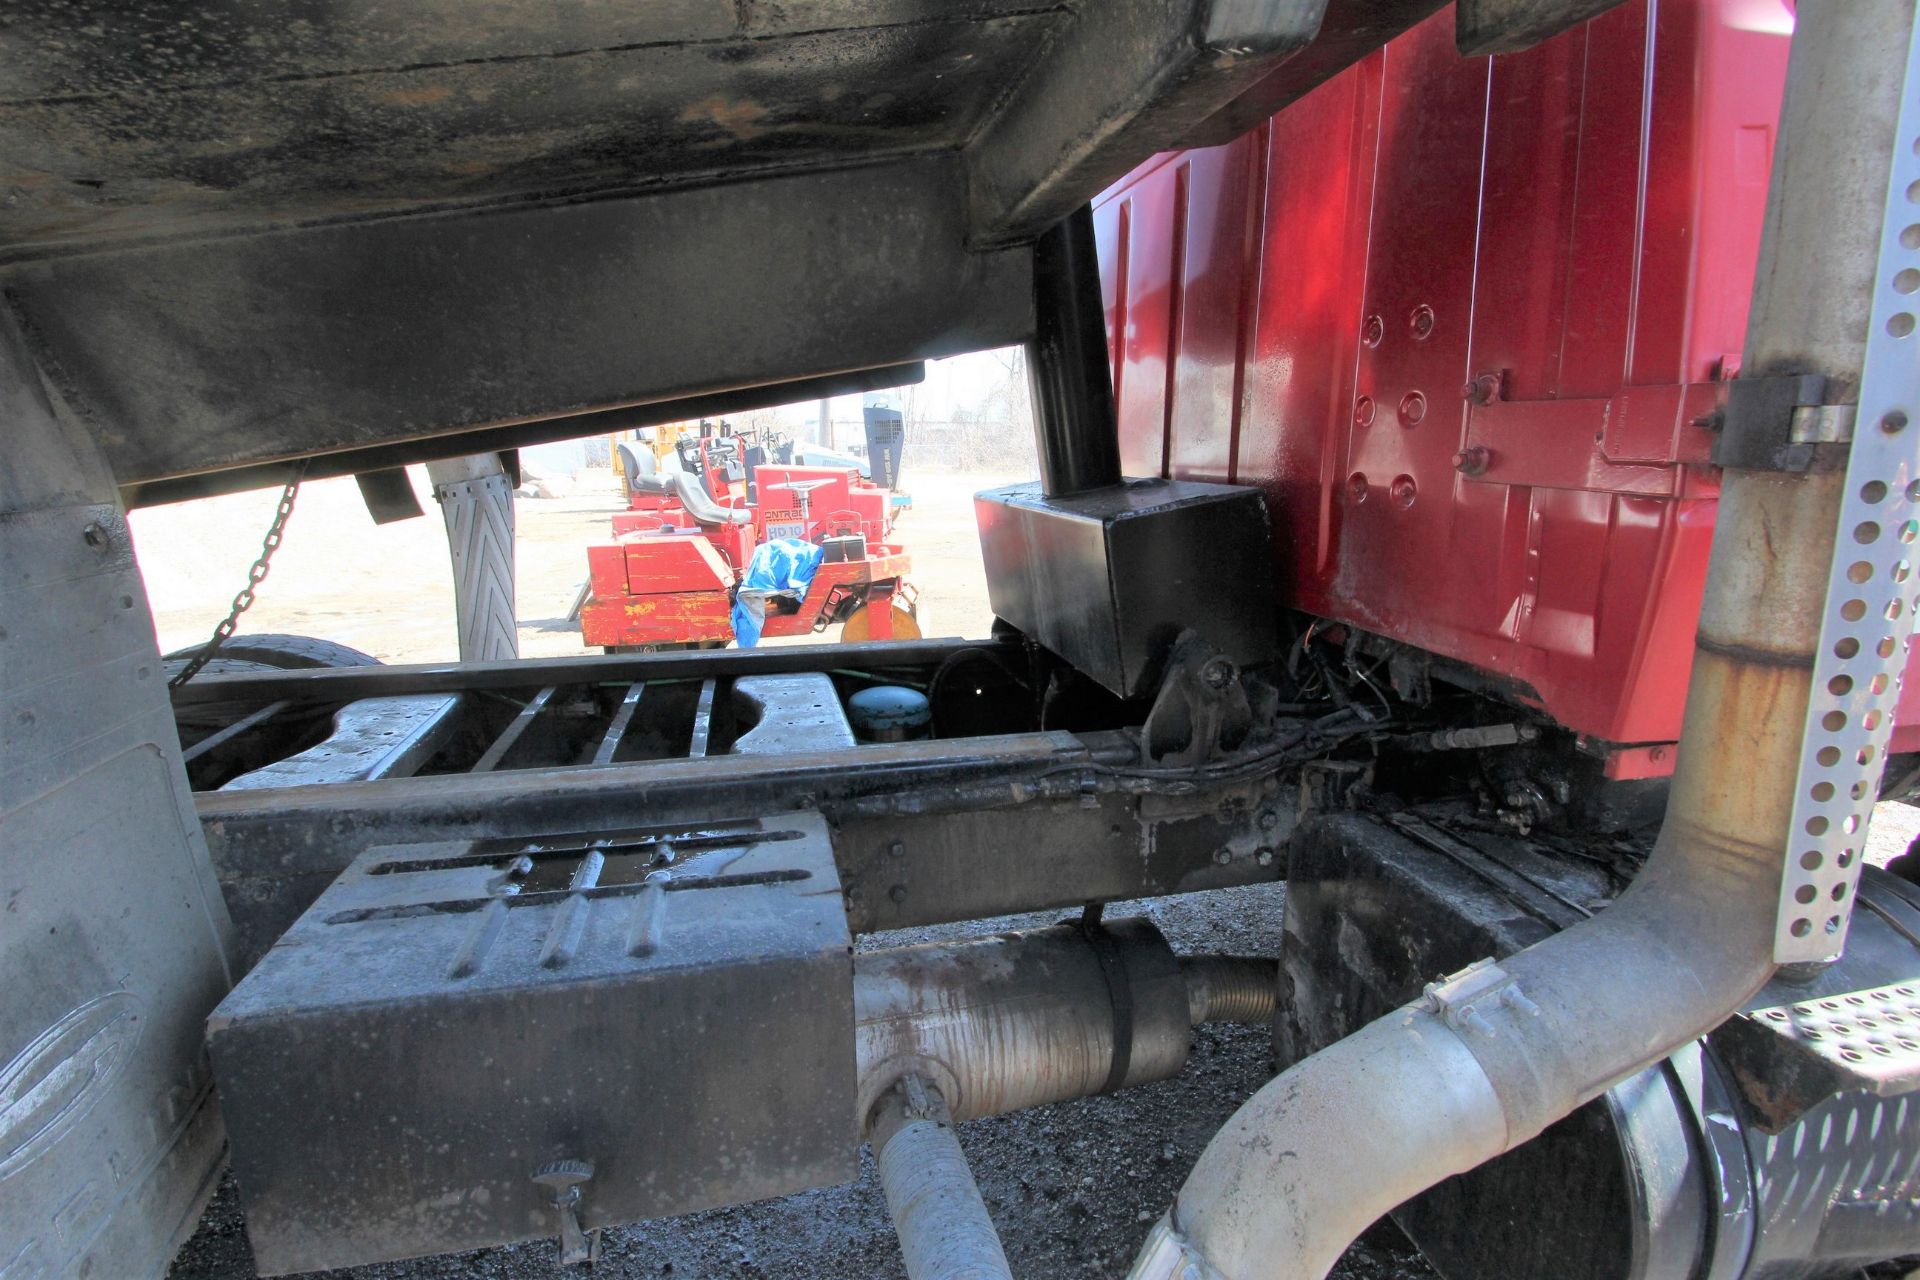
(659, 440)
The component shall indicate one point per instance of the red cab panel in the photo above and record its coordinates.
(1461, 318)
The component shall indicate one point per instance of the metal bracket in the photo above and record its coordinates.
(1463, 999)
(1868, 615)
(564, 1178)
(1119, 993)
(1783, 423)
(1169, 1255)
(1201, 711)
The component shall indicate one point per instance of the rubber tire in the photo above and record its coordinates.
(197, 720)
(267, 651)
(275, 650)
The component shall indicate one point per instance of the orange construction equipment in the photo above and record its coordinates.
(671, 573)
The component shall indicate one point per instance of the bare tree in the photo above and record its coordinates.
(1008, 399)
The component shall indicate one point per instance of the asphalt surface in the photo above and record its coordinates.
(1073, 1187)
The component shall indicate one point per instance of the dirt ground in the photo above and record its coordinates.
(1073, 1187)
(388, 589)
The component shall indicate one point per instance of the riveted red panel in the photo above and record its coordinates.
(1461, 319)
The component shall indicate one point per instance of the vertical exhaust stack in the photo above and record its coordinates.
(1492, 1055)
(1074, 425)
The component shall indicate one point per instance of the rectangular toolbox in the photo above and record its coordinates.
(1108, 579)
(671, 1006)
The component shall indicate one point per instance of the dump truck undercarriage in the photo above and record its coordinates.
(497, 951)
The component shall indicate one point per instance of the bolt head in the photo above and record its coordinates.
(96, 537)
(1263, 856)
(1222, 856)
(1484, 389)
(1474, 460)
(898, 893)
(1218, 673)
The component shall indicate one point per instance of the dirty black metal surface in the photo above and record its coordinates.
(302, 230)
(118, 120)
(1128, 80)
(121, 118)
(390, 458)
(203, 355)
(1350, 30)
(1107, 579)
(927, 831)
(1373, 915)
(1743, 1155)
(1508, 26)
(923, 831)
(1071, 382)
(671, 1006)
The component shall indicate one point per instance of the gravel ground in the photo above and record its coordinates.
(1073, 1187)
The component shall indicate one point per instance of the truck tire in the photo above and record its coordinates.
(269, 651)
(197, 720)
(276, 650)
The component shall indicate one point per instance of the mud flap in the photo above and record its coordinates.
(113, 935)
(476, 497)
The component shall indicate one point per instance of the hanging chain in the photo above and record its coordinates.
(255, 576)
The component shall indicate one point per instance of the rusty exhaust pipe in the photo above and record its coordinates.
(953, 1031)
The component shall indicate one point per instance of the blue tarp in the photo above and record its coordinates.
(784, 566)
